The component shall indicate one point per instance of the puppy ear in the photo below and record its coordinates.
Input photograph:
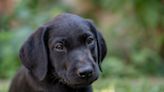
(33, 54)
(101, 45)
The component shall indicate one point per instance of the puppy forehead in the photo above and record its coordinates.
(68, 25)
(74, 34)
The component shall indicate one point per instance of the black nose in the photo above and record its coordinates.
(85, 72)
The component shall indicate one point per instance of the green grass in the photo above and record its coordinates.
(4, 84)
(129, 85)
(117, 85)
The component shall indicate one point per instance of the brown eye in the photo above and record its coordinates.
(90, 41)
(59, 47)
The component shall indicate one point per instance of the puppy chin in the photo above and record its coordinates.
(82, 83)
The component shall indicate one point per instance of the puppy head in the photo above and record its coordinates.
(69, 47)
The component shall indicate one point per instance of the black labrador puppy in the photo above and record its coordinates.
(64, 55)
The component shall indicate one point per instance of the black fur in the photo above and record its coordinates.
(64, 55)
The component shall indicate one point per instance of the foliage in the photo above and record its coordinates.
(10, 44)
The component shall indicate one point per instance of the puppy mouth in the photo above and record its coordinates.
(74, 81)
(79, 85)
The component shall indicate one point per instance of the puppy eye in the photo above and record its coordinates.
(59, 47)
(90, 41)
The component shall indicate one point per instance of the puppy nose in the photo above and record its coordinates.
(85, 72)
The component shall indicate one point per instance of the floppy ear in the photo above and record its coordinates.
(33, 54)
(101, 45)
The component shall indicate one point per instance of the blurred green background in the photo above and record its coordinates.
(133, 30)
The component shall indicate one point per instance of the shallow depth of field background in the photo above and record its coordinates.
(133, 30)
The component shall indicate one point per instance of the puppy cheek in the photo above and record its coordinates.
(97, 70)
(94, 53)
